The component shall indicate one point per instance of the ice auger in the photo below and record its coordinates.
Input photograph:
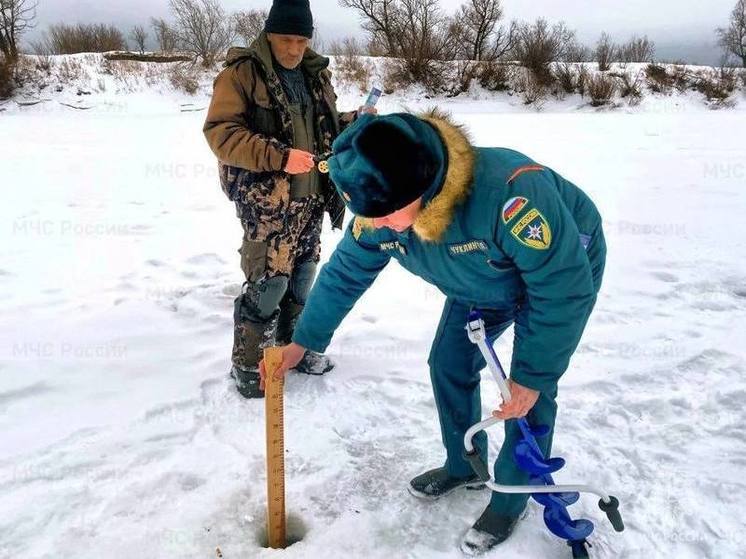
(529, 458)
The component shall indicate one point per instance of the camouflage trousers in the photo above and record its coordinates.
(279, 263)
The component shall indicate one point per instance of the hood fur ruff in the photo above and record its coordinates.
(436, 216)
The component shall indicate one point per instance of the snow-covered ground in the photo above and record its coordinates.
(122, 436)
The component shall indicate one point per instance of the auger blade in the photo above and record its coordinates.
(532, 462)
(556, 499)
(561, 525)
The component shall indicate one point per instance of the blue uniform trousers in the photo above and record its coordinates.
(455, 364)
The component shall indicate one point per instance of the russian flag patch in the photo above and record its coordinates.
(512, 207)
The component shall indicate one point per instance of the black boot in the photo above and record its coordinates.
(247, 382)
(489, 531)
(436, 483)
(314, 364)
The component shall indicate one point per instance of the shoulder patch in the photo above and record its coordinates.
(533, 230)
(512, 207)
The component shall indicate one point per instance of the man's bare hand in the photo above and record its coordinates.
(365, 109)
(291, 356)
(521, 401)
(299, 162)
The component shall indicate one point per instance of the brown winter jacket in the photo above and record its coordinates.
(249, 124)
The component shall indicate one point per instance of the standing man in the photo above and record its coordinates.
(273, 109)
(494, 231)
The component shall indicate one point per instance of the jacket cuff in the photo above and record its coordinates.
(540, 383)
(302, 339)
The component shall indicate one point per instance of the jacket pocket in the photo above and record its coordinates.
(500, 266)
(230, 178)
(262, 115)
(262, 201)
(253, 259)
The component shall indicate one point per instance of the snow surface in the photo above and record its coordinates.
(122, 436)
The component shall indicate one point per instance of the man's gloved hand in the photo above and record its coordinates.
(291, 356)
(522, 399)
(299, 162)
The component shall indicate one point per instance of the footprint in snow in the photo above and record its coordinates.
(665, 277)
(206, 258)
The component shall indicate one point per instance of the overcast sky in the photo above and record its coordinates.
(681, 28)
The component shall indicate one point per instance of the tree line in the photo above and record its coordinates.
(416, 33)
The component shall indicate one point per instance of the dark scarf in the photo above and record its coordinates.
(294, 85)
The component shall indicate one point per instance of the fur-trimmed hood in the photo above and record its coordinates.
(436, 216)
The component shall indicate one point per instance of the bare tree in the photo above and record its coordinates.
(202, 28)
(637, 49)
(605, 52)
(475, 26)
(733, 38)
(415, 32)
(381, 20)
(16, 17)
(537, 45)
(139, 36)
(164, 34)
(249, 24)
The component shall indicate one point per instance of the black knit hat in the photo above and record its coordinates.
(290, 17)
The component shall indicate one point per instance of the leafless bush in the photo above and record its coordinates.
(349, 46)
(183, 78)
(462, 74)
(139, 36)
(601, 89)
(681, 77)
(165, 35)
(659, 81)
(70, 70)
(7, 78)
(566, 77)
(72, 39)
(583, 78)
(495, 76)
(605, 52)
(202, 28)
(43, 60)
(732, 39)
(16, 17)
(630, 86)
(249, 24)
(537, 45)
(637, 50)
(350, 66)
(533, 90)
(717, 86)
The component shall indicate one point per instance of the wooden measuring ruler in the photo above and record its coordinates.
(274, 414)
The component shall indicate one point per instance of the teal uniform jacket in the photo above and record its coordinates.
(502, 233)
